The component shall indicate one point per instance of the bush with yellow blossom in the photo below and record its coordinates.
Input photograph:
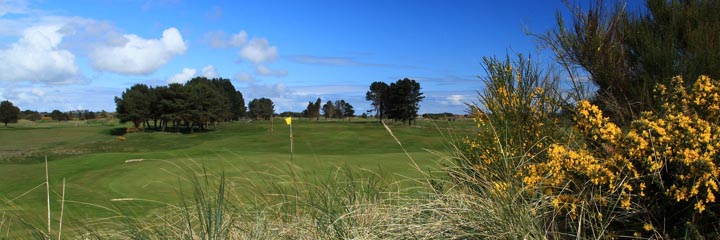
(514, 119)
(659, 178)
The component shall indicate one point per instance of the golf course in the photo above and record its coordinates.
(98, 167)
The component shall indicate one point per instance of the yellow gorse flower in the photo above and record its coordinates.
(674, 150)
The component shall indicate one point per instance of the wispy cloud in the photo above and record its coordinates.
(61, 97)
(150, 4)
(326, 90)
(219, 39)
(265, 71)
(13, 7)
(244, 77)
(215, 13)
(342, 61)
(451, 80)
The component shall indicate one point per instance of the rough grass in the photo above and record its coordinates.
(348, 203)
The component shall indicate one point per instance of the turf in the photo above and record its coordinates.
(98, 167)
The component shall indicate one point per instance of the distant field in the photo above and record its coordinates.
(96, 167)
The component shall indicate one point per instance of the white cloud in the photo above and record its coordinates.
(209, 72)
(258, 50)
(455, 100)
(238, 39)
(245, 77)
(37, 58)
(265, 71)
(182, 77)
(138, 55)
(37, 92)
(219, 39)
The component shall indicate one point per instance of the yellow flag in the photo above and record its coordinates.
(288, 120)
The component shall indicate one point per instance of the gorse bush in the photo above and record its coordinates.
(516, 118)
(658, 178)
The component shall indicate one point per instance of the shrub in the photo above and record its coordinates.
(515, 119)
(657, 178)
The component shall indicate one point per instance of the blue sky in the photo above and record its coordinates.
(71, 55)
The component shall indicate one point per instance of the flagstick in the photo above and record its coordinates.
(291, 144)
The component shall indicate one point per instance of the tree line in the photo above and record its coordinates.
(202, 101)
(195, 104)
(398, 101)
(338, 109)
(9, 113)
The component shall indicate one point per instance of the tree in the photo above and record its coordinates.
(207, 104)
(89, 115)
(174, 105)
(343, 109)
(134, 105)
(8, 112)
(309, 110)
(316, 111)
(626, 54)
(291, 114)
(196, 104)
(57, 115)
(340, 109)
(403, 100)
(238, 105)
(328, 110)
(262, 108)
(234, 100)
(30, 115)
(349, 110)
(377, 94)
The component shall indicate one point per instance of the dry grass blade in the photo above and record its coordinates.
(62, 210)
(47, 191)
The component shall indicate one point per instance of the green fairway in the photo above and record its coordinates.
(97, 167)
